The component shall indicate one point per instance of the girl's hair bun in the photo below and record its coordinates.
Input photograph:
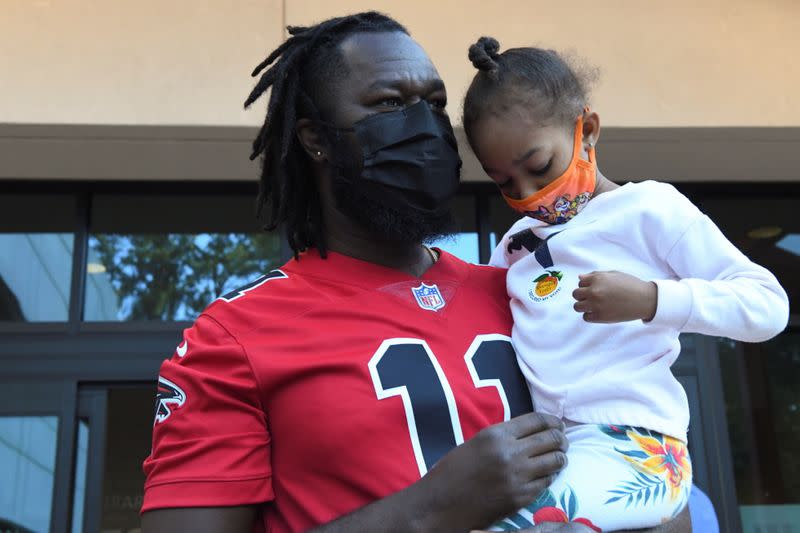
(483, 54)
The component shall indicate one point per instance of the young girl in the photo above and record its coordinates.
(602, 280)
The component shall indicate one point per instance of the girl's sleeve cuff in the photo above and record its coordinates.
(674, 304)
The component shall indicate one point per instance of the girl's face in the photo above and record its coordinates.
(521, 154)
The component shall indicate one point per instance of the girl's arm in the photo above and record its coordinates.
(720, 291)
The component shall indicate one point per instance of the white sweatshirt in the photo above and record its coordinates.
(620, 373)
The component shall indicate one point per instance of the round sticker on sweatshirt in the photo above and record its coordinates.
(545, 286)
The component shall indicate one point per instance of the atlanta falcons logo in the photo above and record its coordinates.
(168, 393)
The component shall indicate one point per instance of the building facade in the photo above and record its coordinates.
(127, 205)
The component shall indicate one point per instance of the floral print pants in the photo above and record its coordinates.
(617, 477)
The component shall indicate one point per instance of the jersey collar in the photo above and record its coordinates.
(346, 269)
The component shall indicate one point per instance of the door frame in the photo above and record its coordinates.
(49, 398)
(93, 408)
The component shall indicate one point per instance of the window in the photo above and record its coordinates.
(501, 218)
(760, 381)
(464, 243)
(27, 460)
(36, 245)
(165, 258)
(762, 400)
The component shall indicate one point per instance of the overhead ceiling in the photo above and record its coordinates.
(169, 153)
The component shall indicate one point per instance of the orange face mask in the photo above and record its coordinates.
(568, 194)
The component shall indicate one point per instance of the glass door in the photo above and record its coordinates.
(36, 449)
(113, 438)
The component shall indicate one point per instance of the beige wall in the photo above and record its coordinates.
(183, 62)
(143, 62)
(663, 63)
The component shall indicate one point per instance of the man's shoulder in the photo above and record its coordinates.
(486, 282)
(484, 275)
(275, 296)
(473, 273)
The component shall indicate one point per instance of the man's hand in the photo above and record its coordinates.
(500, 470)
(608, 297)
(553, 527)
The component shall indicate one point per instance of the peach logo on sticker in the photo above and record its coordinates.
(545, 286)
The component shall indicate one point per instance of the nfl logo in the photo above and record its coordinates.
(428, 297)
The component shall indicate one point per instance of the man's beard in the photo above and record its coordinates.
(387, 213)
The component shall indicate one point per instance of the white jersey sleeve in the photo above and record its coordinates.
(720, 291)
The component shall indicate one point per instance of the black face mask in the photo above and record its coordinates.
(409, 159)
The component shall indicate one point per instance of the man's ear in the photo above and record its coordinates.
(310, 139)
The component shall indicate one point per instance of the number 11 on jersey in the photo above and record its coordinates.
(409, 369)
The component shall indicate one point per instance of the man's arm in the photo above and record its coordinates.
(240, 519)
(501, 469)
(200, 520)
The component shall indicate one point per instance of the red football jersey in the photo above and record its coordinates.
(329, 384)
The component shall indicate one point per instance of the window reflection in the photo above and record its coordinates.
(501, 217)
(172, 276)
(27, 461)
(35, 276)
(36, 244)
(462, 245)
(763, 408)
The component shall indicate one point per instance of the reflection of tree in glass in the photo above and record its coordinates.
(175, 276)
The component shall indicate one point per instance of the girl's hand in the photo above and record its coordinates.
(609, 297)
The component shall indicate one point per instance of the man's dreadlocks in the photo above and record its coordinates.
(305, 68)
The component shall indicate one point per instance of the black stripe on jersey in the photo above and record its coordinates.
(528, 240)
(542, 253)
(238, 293)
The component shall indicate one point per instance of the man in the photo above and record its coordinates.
(336, 392)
